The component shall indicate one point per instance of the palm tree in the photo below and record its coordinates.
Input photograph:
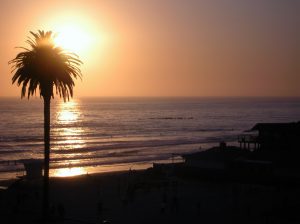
(42, 67)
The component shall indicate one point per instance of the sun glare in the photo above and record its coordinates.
(67, 116)
(69, 172)
(73, 38)
(77, 33)
(68, 112)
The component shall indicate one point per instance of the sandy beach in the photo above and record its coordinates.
(149, 197)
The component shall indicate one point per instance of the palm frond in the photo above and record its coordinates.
(44, 66)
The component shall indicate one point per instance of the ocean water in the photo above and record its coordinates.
(94, 134)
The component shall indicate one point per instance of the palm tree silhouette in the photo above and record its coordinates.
(42, 67)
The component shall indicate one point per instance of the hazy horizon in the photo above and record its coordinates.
(166, 48)
(57, 98)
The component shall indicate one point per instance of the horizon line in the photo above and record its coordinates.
(182, 96)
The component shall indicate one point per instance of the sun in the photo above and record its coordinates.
(77, 33)
(73, 38)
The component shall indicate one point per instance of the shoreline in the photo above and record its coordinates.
(7, 182)
(99, 168)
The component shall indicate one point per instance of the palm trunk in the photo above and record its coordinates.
(46, 157)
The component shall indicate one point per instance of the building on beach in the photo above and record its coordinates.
(272, 137)
(270, 150)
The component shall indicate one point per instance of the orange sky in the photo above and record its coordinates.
(168, 47)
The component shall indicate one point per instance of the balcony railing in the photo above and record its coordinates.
(248, 138)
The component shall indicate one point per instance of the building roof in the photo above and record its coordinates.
(293, 126)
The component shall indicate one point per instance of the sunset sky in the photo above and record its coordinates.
(165, 47)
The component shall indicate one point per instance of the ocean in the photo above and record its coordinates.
(107, 134)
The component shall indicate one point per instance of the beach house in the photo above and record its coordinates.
(266, 150)
(278, 136)
(272, 137)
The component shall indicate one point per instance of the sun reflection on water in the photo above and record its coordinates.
(68, 133)
(68, 112)
(69, 172)
(67, 116)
